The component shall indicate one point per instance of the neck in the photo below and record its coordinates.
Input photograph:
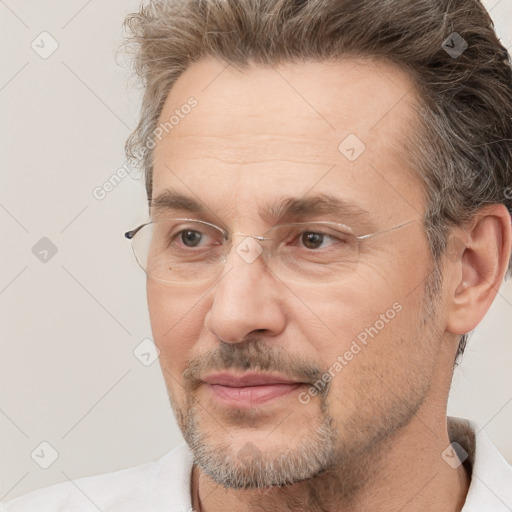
(408, 473)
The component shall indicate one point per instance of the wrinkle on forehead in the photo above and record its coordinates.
(266, 109)
(278, 130)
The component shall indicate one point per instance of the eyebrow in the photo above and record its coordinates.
(284, 208)
(170, 200)
(312, 206)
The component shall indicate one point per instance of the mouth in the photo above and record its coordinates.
(249, 389)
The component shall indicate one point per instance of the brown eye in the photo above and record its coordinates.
(312, 240)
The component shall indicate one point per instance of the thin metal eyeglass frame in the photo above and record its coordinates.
(132, 233)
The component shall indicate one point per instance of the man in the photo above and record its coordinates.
(329, 191)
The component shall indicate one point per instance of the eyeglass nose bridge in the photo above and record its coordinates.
(247, 251)
(259, 238)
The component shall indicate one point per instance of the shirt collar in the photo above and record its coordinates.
(490, 489)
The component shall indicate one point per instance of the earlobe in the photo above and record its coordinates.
(479, 269)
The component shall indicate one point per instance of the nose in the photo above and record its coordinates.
(247, 301)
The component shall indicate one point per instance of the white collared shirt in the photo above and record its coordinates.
(164, 485)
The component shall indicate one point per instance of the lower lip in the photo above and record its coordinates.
(251, 395)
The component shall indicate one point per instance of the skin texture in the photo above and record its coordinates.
(373, 440)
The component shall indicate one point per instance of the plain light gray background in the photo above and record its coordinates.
(69, 325)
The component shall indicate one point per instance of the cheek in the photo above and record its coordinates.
(337, 314)
(381, 346)
(365, 325)
(177, 318)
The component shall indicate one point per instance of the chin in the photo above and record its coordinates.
(244, 458)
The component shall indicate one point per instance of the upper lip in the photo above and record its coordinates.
(247, 379)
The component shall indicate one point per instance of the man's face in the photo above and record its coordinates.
(256, 137)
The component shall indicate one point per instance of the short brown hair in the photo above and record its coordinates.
(462, 149)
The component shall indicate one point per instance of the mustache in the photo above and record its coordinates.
(250, 355)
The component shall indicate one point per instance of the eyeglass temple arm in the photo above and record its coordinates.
(130, 234)
(364, 237)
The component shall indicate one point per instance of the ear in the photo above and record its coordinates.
(479, 268)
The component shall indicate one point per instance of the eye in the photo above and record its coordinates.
(316, 240)
(190, 237)
(193, 236)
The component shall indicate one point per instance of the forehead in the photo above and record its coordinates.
(267, 131)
